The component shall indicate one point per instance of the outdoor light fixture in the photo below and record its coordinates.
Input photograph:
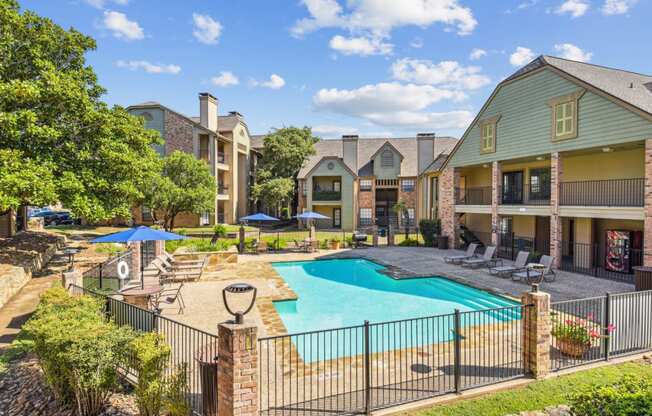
(237, 288)
(607, 149)
(539, 158)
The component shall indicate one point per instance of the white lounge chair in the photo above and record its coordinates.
(532, 275)
(470, 253)
(487, 259)
(518, 266)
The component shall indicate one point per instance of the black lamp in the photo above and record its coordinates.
(237, 288)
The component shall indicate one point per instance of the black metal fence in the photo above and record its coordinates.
(376, 365)
(473, 196)
(105, 276)
(509, 244)
(604, 193)
(591, 260)
(529, 194)
(192, 350)
(599, 328)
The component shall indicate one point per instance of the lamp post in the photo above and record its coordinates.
(238, 288)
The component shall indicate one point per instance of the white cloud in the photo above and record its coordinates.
(611, 7)
(206, 29)
(275, 82)
(381, 16)
(360, 46)
(449, 74)
(394, 104)
(122, 27)
(417, 43)
(477, 53)
(333, 131)
(575, 8)
(521, 56)
(149, 67)
(572, 52)
(100, 3)
(225, 79)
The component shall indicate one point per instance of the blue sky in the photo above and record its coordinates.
(371, 67)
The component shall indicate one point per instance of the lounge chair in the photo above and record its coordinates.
(487, 259)
(518, 266)
(180, 275)
(470, 253)
(531, 275)
(170, 259)
(299, 245)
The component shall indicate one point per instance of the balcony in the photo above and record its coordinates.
(326, 195)
(473, 196)
(530, 194)
(222, 189)
(604, 193)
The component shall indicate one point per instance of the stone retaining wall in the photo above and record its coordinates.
(12, 279)
(217, 260)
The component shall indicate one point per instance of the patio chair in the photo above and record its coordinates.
(170, 259)
(261, 247)
(311, 246)
(161, 260)
(299, 245)
(531, 275)
(181, 275)
(487, 259)
(169, 296)
(470, 253)
(518, 266)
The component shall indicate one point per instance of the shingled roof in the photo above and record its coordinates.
(368, 147)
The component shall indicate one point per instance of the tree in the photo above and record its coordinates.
(400, 209)
(184, 184)
(274, 192)
(285, 150)
(97, 157)
(23, 180)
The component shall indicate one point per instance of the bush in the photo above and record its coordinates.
(409, 242)
(430, 229)
(149, 356)
(220, 230)
(631, 396)
(285, 213)
(78, 349)
(175, 392)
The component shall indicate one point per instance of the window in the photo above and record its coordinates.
(147, 116)
(146, 213)
(337, 186)
(564, 115)
(488, 135)
(410, 212)
(365, 216)
(365, 185)
(304, 189)
(203, 147)
(204, 219)
(407, 185)
(387, 159)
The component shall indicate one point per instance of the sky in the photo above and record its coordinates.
(376, 68)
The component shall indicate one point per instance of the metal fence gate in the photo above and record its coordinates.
(376, 365)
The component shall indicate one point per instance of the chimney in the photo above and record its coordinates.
(208, 111)
(425, 150)
(236, 113)
(350, 151)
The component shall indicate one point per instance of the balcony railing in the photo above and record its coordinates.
(473, 196)
(530, 194)
(326, 195)
(604, 193)
(222, 189)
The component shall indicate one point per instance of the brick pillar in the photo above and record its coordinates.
(159, 248)
(72, 278)
(135, 260)
(496, 177)
(536, 332)
(647, 230)
(448, 181)
(237, 370)
(556, 172)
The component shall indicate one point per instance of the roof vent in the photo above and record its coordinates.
(426, 135)
(235, 113)
(350, 136)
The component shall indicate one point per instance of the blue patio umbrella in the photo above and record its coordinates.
(258, 217)
(311, 215)
(141, 233)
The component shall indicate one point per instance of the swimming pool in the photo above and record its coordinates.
(346, 292)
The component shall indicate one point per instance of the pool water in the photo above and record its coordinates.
(346, 292)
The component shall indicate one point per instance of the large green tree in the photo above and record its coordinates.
(92, 158)
(274, 192)
(184, 184)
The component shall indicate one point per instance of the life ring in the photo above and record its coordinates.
(123, 269)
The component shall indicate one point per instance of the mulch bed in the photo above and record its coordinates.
(23, 392)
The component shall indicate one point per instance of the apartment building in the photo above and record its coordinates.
(357, 181)
(222, 141)
(558, 161)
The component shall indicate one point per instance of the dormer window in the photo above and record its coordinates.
(387, 159)
(488, 135)
(564, 116)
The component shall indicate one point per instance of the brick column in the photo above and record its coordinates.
(496, 177)
(536, 332)
(135, 260)
(159, 248)
(556, 172)
(448, 181)
(647, 230)
(237, 370)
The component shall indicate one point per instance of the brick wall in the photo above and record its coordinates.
(447, 182)
(178, 133)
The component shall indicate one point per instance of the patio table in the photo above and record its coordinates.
(140, 297)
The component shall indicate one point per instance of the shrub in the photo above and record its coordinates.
(429, 229)
(149, 356)
(578, 330)
(175, 392)
(285, 213)
(220, 230)
(630, 396)
(409, 242)
(109, 248)
(78, 349)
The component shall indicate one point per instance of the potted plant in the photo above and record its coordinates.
(334, 244)
(574, 336)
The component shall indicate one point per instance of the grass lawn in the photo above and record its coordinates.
(537, 395)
